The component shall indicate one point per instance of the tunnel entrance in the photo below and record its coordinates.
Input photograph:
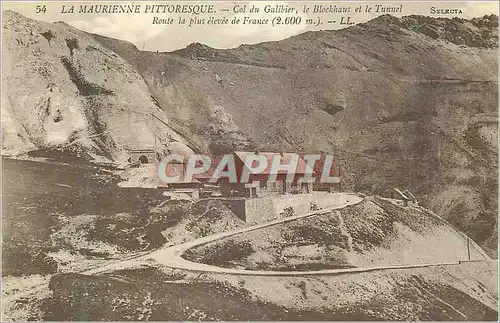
(143, 159)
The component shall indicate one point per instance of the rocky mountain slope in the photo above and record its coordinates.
(408, 102)
(65, 91)
(376, 232)
(443, 293)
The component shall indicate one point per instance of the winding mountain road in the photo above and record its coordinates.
(171, 256)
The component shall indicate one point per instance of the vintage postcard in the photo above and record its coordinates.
(249, 161)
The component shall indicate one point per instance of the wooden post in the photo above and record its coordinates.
(468, 248)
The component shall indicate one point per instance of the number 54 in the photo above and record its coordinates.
(40, 9)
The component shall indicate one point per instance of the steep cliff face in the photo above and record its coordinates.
(408, 102)
(62, 90)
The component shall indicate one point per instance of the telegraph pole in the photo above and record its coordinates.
(468, 248)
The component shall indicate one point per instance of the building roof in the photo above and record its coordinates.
(179, 170)
(410, 195)
(302, 167)
(403, 196)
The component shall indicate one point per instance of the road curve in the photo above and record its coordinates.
(172, 256)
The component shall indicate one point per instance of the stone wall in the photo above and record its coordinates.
(237, 206)
(270, 207)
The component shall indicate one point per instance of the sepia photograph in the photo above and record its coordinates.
(249, 161)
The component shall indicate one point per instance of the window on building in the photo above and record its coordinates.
(263, 185)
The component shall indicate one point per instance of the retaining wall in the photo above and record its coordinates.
(265, 208)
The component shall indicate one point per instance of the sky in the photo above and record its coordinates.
(138, 28)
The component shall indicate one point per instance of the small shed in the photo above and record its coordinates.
(413, 199)
(397, 194)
